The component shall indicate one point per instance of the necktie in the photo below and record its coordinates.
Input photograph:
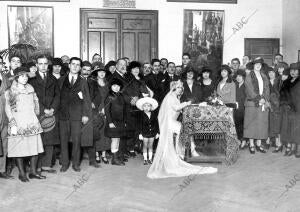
(72, 80)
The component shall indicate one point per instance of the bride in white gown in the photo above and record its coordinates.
(167, 162)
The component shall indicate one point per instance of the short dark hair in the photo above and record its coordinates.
(186, 54)
(42, 56)
(154, 61)
(86, 63)
(12, 56)
(170, 63)
(164, 59)
(236, 59)
(95, 55)
(76, 58)
(278, 54)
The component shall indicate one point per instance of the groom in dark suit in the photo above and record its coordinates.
(74, 112)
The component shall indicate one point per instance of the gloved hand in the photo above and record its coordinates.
(157, 136)
(14, 130)
(141, 137)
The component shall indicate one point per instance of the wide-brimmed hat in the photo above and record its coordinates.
(134, 64)
(240, 72)
(258, 60)
(295, 66)
(227, 68)
(97, 64)
(57, 61)
(149, 100)
(206, 69)
(116, 81)
(94, 73)
(47, 123)
(20, 71)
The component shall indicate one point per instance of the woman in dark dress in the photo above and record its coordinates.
(239, 111)
(135, 90)
(192, 89)
(274, 114)
(285, 110)
(294, 123)
(115, 112)
(100, 91)
(207, 85)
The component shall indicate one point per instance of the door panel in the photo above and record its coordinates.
(94, 43)
(129, 41)
(262, 47)
(144, 48)
(110, 46)
(119, 33)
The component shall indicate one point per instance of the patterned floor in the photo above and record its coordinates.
(260, 182)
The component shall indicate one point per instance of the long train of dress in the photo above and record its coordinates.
(166, 162)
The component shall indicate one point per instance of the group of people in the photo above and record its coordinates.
(124, 106)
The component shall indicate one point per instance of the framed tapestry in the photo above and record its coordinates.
(203, 36)
(31, 25)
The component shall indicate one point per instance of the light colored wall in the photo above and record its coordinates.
(290, 30)
(265, 23)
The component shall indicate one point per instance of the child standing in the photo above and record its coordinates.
(114, 107)
(148, 126)
(24, 129)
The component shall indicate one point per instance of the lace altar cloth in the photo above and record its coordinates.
(211, 122)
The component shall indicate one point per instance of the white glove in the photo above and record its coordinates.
(157, 136)
(14, 130)
(141, 137)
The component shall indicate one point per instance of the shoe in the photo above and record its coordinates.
(278, 149)
(76, 168)
(260, 149)
(98, 159)
(4, 175)
(51, 171)
(122, 158)
(145, 162)
(104, 160)
(95, 165)
(287, 151)
(24, 178)
(252, 149)
(292, 152)
(64, 168)
(267, 146)
(36, 176)
(243, 145)
(149, 161)
(132, 154)
(115, 160)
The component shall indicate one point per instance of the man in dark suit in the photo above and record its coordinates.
(168, 77)
(75, 108)
(154, 80)
(47, 90)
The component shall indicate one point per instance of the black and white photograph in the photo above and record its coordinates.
(149, 106)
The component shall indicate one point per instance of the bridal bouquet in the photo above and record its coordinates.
(214, 100)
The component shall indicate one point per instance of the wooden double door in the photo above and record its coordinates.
(119, 33)
(262, 47)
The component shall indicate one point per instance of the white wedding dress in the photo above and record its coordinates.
(167, 162)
